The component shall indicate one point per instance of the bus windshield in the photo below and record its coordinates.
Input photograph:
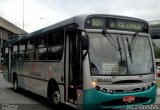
(128, 59)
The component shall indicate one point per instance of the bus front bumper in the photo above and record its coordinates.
(94, 99)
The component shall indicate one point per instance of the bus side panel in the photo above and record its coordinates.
(56, 71)
(34, 85)
(28, 83)
(32, 77)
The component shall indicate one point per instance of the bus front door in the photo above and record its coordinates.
(72, 83)
(74, 77)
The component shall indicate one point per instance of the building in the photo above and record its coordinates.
(7, 30)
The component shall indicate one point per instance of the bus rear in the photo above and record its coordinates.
(119, 70)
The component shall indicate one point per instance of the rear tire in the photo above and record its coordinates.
(15, 85)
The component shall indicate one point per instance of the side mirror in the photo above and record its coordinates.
(84, 42)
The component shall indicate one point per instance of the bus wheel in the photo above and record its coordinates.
(54, 98)
(15, 85)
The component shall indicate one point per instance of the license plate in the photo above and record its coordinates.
(128, 99)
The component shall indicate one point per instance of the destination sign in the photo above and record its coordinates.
(125, 25)
(116, 24)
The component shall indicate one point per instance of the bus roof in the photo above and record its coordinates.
(79, 20)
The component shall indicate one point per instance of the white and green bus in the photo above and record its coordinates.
(88, 62)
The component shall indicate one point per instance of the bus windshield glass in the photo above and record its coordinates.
(122, 58)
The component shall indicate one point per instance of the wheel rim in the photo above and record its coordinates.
(56, 97)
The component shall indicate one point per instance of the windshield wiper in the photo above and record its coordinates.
(112, 41)
(131, 45)
(120, 50)
(129, 50)
(133, 40)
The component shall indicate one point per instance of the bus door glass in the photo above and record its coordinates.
(74, 77)
(5, 63)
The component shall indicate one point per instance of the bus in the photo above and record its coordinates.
(93, 61)
(155, 35)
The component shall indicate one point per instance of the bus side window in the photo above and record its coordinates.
(21, 54)
(30, 50)
(31, 44)
(55, 45)
(41, 48)
(15, 52)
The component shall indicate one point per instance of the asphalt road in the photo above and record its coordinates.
(23, 100)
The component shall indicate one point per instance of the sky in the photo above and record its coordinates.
(42, 13)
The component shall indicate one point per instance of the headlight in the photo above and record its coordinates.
(94, 83)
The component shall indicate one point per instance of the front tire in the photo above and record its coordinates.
(54, 98)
